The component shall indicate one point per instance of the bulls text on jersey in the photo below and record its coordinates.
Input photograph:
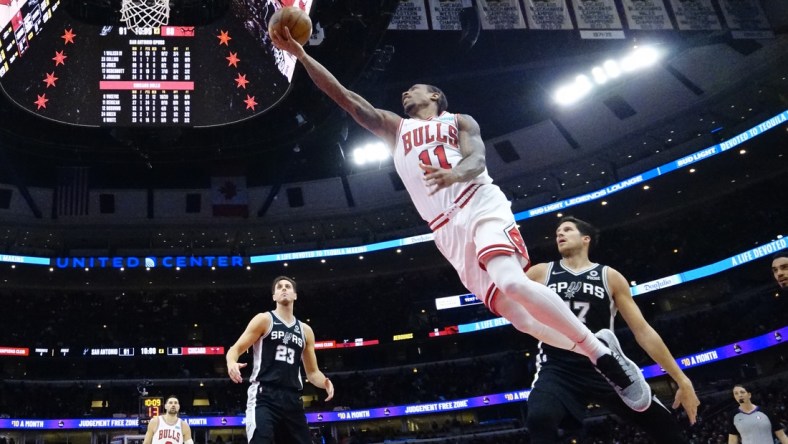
(443, 133)
(169, 434)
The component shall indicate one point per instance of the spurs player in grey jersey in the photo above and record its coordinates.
(280, 345)
(564, 385)
(440, 158)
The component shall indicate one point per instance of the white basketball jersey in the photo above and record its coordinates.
(432, 142)
(168, 434)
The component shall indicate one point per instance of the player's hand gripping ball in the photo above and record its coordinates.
(296, 20)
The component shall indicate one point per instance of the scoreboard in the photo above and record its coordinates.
(148, 79)
(150, 407)
(63, 69)
(20, 22)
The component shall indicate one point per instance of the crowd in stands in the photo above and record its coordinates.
(380, 305)
(691, 318)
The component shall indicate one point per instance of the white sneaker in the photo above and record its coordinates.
(623, 374)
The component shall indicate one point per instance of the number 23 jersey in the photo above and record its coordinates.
(277, 355)
(434, 142)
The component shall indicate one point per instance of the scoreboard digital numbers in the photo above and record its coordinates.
(178, 75)
(20, 22)
(149, 79)
(150, 407)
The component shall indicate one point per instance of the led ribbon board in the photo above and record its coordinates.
(698, 156)
(742, 258)
(733, 350)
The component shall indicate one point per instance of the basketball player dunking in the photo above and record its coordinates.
(280, 343)
(564, 385)
(169, 428)
(441, 160)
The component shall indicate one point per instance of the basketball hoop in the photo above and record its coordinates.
(144, 13)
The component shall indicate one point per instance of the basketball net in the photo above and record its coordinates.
(144, 13)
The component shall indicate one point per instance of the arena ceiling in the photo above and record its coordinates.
(708, 87)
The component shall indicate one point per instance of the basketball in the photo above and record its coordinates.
(295, 19)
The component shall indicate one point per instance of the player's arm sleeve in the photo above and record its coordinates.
(777, 426)
(733, 432)
(472, 148)
(258, 326)
(313, 373)
(538, 273)
(187, 432)
(152, 425)
(647, 338)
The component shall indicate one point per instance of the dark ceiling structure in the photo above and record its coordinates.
(708, 87)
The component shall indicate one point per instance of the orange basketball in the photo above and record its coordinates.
(295, 19)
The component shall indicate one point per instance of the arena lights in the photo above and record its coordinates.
(639, 58)
(370, 153)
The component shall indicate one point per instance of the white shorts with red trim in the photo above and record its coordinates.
(482, 229)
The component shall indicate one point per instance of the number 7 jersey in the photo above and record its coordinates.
(435, 142)
(588, 295)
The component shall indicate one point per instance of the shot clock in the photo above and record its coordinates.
(150, 407)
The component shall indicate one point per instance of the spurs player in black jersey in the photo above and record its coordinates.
(564, 385)
(280, 344)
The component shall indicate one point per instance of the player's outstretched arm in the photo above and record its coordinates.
(382, 123)
(313, 373)
(650, 341)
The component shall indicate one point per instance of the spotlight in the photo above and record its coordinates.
(599, 75)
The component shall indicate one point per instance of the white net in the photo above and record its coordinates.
(144, 13)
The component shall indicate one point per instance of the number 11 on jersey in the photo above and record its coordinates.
(440, 153)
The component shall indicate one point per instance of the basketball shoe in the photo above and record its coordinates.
(623, 374)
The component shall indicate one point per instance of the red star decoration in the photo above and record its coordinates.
(224, 38)
(241, 81)
(233, 59)
(250, 103)
(59, 58)
(50, 79)
(42, 101)
(68, 37)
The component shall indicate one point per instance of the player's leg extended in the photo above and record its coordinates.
(523, 321)
(542, 304)
(548, 308)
